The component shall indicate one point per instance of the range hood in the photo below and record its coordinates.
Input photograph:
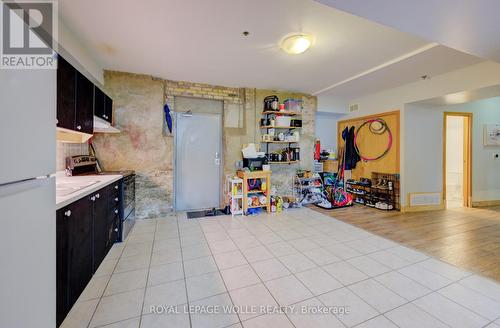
(70, 136)
(102, 126)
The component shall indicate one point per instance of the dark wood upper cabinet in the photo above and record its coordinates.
(99, 106)
(78, 98)
(108, 108)
(66, 94)
(103, 105)
(84, 104)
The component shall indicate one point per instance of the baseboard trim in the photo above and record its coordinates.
(423, 208)
(484, 203)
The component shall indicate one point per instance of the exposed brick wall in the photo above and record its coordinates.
(139, 114)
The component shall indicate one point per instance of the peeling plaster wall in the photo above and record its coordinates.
(138, 103)
(146, 146)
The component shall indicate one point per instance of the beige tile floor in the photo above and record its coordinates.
(300, 262)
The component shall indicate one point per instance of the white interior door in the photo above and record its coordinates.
(198, 161)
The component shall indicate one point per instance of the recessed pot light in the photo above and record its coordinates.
(296, 44)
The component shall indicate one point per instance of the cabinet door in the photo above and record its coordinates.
(99, 106)
(62, 307)
(108, 104)
(84, 104)
(111, 232)
(100, 227)
(79, 227)
(66, 94)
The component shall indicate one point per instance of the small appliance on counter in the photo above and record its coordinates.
(87, 165)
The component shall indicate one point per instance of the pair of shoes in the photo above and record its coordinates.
(383, 206)
(360, 201)
(369, 203)
(365, 182)
(356, 191)
(381, 184)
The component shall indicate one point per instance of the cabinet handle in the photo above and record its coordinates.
(92, 198)
(79, 127)
(97, 195)
(116, 211)
(67, 213)
(116, 199)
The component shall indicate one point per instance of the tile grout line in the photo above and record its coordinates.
(183, 269)
(149, 269)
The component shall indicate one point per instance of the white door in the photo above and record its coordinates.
(198, 161)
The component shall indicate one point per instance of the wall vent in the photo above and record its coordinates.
(425, 199)
(353, 108)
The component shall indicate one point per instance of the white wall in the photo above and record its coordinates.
(326, 129)
(329, 104)
(423, 160)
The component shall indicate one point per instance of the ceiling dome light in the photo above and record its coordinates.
(296, 44)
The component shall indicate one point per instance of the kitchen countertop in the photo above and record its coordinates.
(62, 181)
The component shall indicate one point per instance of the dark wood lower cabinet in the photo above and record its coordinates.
(86, 231)
(79, 231)
(74, 253)
(100, 227)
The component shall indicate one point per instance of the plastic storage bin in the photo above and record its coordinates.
(283, 120)
(294, 105)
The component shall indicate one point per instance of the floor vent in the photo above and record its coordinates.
(425, 199)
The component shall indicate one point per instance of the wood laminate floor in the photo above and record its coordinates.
(466, 237)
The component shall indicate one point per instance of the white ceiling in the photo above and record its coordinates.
(471, 26)
(435, 61)
(201, 41)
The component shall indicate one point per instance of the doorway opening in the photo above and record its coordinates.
(457, 155)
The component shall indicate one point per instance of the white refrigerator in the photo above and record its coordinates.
(27, 198)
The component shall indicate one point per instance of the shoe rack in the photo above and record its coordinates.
(381, 191)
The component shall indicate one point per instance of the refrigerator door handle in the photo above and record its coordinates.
(15, 187)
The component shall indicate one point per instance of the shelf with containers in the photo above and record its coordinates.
(285, 117)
